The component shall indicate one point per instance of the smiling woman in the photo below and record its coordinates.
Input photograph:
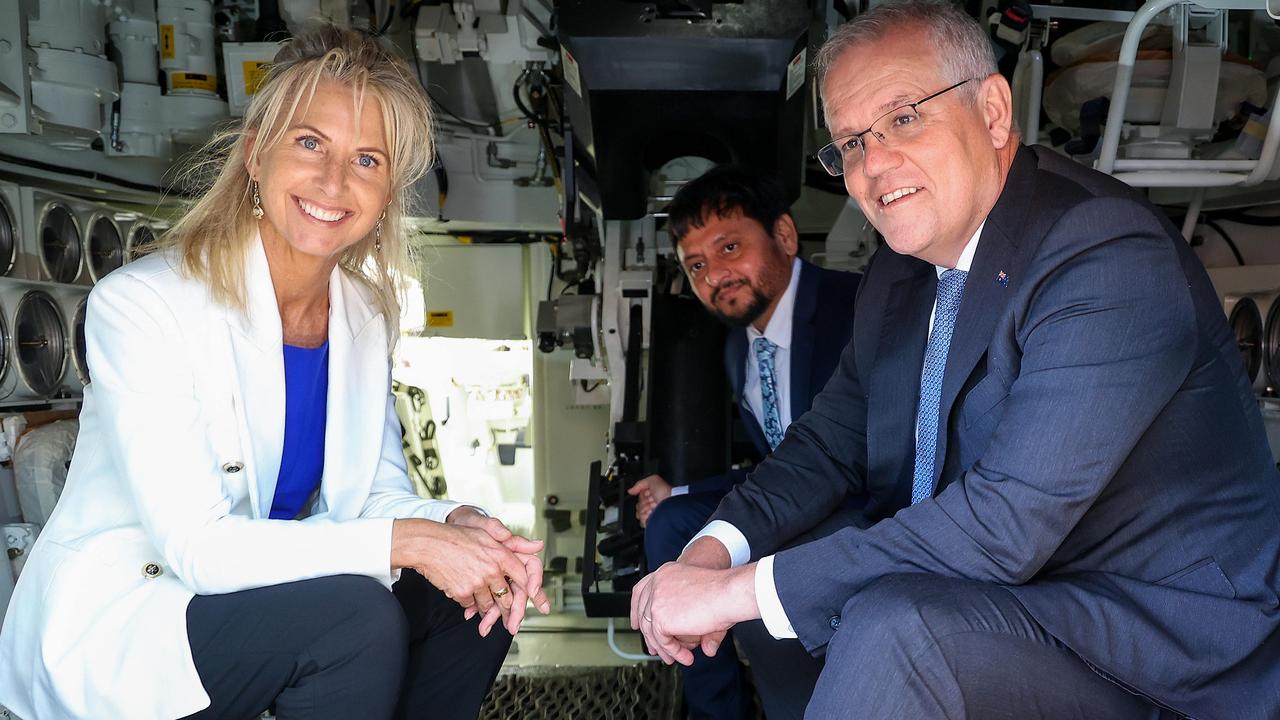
(342, 127)
(264, 547)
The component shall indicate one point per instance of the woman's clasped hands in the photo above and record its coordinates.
(476, 561)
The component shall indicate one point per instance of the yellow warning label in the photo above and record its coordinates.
(440, 318)
(255, 71)
(193, 81)
(167, 50)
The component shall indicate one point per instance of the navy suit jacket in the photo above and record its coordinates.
(1100, 452)
(821, 325)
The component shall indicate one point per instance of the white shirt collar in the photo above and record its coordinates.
(966, 255)
(779, 328)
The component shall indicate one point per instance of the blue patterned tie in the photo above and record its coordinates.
(950, 290)
(765, 350)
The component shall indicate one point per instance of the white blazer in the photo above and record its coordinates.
(171, 483)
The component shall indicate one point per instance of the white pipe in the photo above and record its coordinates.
(1193, 213)
(1124, 78)
(1231, 4)
(1177, 179)
(1107, 162)
(1185, 164)
(613, 645)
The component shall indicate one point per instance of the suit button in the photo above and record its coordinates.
(151, 571)
(834, 622)
(234, 466)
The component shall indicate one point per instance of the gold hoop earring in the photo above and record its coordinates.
(257, 203)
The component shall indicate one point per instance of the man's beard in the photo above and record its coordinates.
(758, 303)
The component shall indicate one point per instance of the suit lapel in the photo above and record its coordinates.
(998, 266)
(735, 351)
(258, 357)
(803, 338)
(357, 399)
(895, 378)
(735, 355)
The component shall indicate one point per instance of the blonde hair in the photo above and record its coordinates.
(212, 235)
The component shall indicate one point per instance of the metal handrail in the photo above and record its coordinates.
(1177, 173)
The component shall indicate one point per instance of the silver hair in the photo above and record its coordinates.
(959, 43)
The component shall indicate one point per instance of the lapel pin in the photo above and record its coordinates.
(1003, 278)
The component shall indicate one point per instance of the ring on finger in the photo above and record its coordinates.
(501, 592)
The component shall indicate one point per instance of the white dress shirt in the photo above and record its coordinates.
(778, 330)
(771, 610)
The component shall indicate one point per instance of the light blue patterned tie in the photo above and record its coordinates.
(950, 290)
(765, 351)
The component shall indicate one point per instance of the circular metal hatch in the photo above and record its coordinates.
(6, 347)
(141, 238)
(1246, 323)
(59, 244)
(8, 237)
(78, 346)
(106, 247)
(1272, 345)
(41, 340)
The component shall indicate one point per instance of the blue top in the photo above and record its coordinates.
(306, 389)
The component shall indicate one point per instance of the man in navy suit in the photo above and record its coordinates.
(1046, 413)
(738, 245)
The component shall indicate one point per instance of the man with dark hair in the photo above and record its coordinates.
(1046, 413)
(734, 235)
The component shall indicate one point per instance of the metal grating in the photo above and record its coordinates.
(647, 691)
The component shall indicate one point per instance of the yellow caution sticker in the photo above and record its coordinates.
(255, 71)
(193, 81)
(440, 318)
(167, 49)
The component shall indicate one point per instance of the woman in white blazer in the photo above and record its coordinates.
(237, 507)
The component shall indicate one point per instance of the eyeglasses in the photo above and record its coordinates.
(895, 127)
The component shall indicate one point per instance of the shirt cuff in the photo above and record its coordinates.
(730, 537)
(679, 490)
(440, 510)
(771, 611)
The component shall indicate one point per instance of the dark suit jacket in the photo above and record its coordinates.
(821, 325)
(1100, 451)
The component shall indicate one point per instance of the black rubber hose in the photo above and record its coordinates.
(1227, 239)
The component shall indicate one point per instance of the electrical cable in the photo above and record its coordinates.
(417, 67)
(469, 123)
(391, 13)
(92, 175)
(524, 109)
(1227, 239)
(1239, 216)
(551, 276)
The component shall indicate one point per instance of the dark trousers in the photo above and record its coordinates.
(712, 685)
(924, 646)
(342, 646)
(784, 672)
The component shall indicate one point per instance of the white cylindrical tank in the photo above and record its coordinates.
(72, 79)
(187, 53)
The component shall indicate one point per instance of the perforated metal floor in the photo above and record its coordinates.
(648, 691)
